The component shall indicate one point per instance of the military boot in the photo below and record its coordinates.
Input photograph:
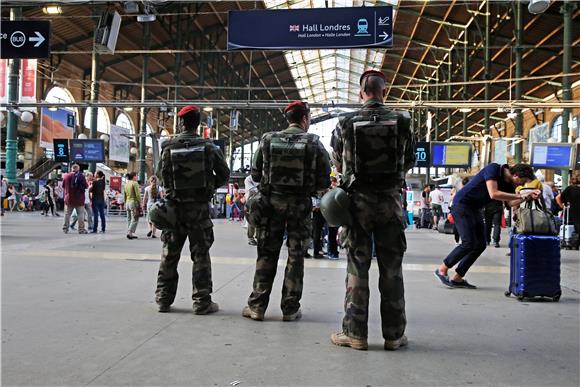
(292, 316)
(164, 308)
(212, 307)
(341, 339)
(249, 313)
(391, 345)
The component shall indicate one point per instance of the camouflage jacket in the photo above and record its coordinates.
(215, 175)
(301, 176)
(394, 151)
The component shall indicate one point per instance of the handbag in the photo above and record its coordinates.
(535, 219)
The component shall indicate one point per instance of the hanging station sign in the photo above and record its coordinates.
(316, 28)
(24, 39)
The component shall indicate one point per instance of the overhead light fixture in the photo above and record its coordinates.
(53, 108)
(146, 18)
(556, 110)
(128, 108)
(208, 109)
(465, 110)
(131, 7)
(52, 10)
(538, 6)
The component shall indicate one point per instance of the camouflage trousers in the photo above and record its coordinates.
(376, 215)
(290, 214)
(194, 224)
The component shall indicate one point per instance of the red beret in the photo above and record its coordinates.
(296, 104)
(371, 72)
(187, 109)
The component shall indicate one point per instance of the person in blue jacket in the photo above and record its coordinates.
(494, 182)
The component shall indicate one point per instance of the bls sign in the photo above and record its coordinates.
(422, 154)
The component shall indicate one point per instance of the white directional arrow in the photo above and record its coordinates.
(384, 35)
(38, 39)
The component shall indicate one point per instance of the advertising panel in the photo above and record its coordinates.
(119, 144)
(56, 123)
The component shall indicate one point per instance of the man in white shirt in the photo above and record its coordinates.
(436, 199)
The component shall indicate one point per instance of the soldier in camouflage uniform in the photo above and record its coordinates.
(290, 165)
(373, 149)
(190, 168)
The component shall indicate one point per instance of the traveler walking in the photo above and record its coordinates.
(436, 200)
(373, 150)
(153, 193)
(132, 200)
(251, 188)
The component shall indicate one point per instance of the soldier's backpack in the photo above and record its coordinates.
(376, 154)
(291, 162)
(192, 170)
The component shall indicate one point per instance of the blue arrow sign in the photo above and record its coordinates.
(316, 28)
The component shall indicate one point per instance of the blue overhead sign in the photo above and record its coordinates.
(311, 28)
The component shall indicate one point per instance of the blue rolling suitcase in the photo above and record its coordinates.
(534, 266)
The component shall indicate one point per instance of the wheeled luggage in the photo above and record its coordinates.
(444, 226)
(569, 239)
(534, 267)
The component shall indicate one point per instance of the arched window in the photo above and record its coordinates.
(148, 139)
(103, 121)
(61, 95)
(556, 129)
(123, 120)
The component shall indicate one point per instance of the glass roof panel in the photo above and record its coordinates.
(328, 76)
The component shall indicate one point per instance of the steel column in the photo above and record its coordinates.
(487, 63)
(449, 93)
(12, 124)
(144, 110)
(94, 98)
(567, 10)
(465, 76)
(518, 92)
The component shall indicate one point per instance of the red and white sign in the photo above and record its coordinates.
(28, 83)
(3, 82)
(115, 182)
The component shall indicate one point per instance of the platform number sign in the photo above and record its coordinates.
(422, 154)
(61, 151)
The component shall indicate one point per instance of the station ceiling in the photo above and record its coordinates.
(188, 59)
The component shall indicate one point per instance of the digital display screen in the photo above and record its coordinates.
(448, 154)
(558, 156)
(60, 146)
(87, 150)
(422, 154)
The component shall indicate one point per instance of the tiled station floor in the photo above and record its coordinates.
(79, 310)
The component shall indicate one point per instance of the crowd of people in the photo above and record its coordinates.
(282, 203)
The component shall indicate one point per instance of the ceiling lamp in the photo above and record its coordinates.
(52, 10)
(556, 110)
(148, 15)
(208, 109)
(538, 6)
(465, 110)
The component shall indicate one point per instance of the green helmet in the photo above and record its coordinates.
(163, 215)
(335, 207)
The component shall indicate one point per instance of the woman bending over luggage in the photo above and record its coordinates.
(493, 182)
